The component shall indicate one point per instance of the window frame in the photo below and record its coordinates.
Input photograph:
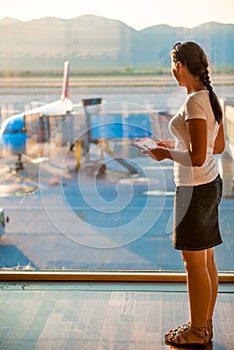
(105, 276)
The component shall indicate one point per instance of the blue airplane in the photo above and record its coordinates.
(13, 132)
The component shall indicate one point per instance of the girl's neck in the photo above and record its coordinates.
(195, 87)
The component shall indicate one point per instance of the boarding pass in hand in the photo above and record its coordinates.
(145, 144)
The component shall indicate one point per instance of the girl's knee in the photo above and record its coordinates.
(194, 260)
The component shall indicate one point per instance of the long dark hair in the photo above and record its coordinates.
(194, 58)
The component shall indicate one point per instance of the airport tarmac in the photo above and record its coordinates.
(61, 218)
(64, 219)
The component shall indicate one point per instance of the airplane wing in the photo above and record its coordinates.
(38, 160)
(56, 108)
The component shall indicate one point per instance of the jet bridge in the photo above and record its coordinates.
(103, 127)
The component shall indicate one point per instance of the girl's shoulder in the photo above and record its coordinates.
(197, 96)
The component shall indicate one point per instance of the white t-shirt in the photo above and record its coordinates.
(196, 106)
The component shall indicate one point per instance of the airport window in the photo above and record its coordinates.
(75, 193)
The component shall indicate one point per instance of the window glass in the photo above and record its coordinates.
(78, 194)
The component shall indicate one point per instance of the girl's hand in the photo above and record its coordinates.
(170, 144)
(158, 153)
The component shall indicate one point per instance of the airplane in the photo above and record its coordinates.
(13, 131)
(35, 124)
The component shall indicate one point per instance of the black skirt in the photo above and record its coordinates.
(196, 224)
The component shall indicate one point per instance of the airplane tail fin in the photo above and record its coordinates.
(65, 81)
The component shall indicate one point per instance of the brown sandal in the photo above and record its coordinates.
(188, 336)
(187, 325)
(183, 327)
(210, 328)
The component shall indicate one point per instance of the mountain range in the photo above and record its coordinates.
(94, 43)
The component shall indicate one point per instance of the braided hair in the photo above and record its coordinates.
(194, 58)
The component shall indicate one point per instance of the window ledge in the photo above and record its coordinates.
(104, 276)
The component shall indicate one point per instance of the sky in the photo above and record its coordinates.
(138, 14)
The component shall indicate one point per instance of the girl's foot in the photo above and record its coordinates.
(187, 325)
(190, 335)
(210, 328)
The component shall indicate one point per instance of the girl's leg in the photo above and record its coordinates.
(214, 281)
(199, 286)
(200, 300)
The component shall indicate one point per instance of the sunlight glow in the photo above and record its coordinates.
(139, 15)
